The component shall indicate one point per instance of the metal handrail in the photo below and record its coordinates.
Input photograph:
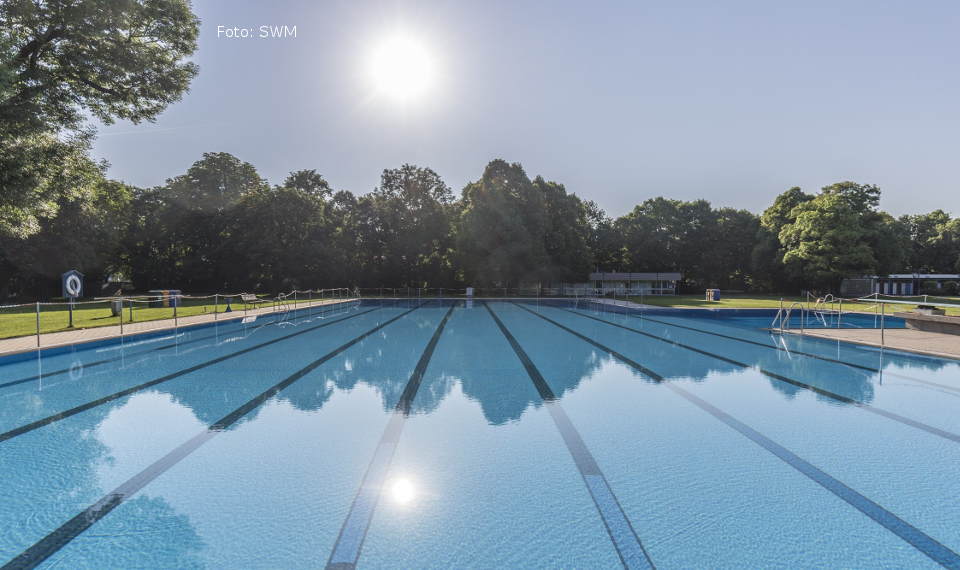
(803, 316)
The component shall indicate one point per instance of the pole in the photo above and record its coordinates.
(215, 306)
(38, 324)
(175, 303)
(120, 314)
(883, 311)
(840, 313)
(70, 309)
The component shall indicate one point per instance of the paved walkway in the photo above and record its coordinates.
(620, 303)
(937, 344)
(66, 338)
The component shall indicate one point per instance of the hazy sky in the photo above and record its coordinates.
(731, 101)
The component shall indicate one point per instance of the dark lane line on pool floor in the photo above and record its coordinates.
(795, 352)
(50, 544)
(88, 365)
(126, 392)
(624, 537)
(346, 550)
(909, 533)
(861, 405)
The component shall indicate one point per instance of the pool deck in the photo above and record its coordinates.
(936, 344)
(621, 303)
(67, 338)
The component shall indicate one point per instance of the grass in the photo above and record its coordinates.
(22, 321)
(768, 302)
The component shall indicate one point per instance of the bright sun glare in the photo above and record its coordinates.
(401, 68)
(403, 491)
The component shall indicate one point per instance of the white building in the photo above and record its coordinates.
(602, 283)
(894, 284)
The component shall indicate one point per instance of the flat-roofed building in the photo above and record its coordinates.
(894, 284)
(636, 283)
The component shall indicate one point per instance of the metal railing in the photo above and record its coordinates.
(126, 311)
(782, 320)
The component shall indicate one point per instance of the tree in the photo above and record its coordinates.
(649, 235)
(672, 235)
(829, 240)
(109, 59)
(61, 62)
(86, 235)
(566, 234)
(280, 236)
(933, 248)
(501, 228)
(39, 173)
(186, 234)
(731, 248)
(604, 241)
(767, 254)
(409, 234)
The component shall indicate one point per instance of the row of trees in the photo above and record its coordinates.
(221, 226)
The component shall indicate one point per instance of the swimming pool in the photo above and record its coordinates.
(488, 434)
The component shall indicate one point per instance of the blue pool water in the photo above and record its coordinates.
(445, 434)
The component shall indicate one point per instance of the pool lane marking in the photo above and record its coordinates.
(50, 544)
(346, 550)
(625, 540)
(800, 352)
(823, 392)
(126, 392)
(909, 533)
(147, 351)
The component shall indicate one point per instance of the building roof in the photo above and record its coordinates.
(920, 276)
(614, 276)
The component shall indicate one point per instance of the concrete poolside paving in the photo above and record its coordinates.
(68, 338)
(935, 344)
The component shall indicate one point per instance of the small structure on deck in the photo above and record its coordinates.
(930, 319)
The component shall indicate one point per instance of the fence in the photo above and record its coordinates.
(142, 313)
(562, 291)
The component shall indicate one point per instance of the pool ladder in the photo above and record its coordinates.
(781, 321)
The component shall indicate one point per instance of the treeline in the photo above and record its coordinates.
(221, 227)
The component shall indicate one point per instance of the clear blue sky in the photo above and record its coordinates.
(731, 101)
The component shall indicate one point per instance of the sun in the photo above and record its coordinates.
(401, 68)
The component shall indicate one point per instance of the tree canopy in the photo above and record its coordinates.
(221, 226)
(64, 61)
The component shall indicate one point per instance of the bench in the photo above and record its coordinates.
(251, 299)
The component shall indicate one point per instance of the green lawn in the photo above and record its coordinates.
(767, 302)
(22, 321)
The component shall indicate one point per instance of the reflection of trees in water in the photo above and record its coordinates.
(836, 378)
(150, 534)
(54, 485)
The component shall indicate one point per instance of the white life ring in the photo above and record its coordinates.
(73, 286)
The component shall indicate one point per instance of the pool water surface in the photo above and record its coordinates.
(451, 433)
